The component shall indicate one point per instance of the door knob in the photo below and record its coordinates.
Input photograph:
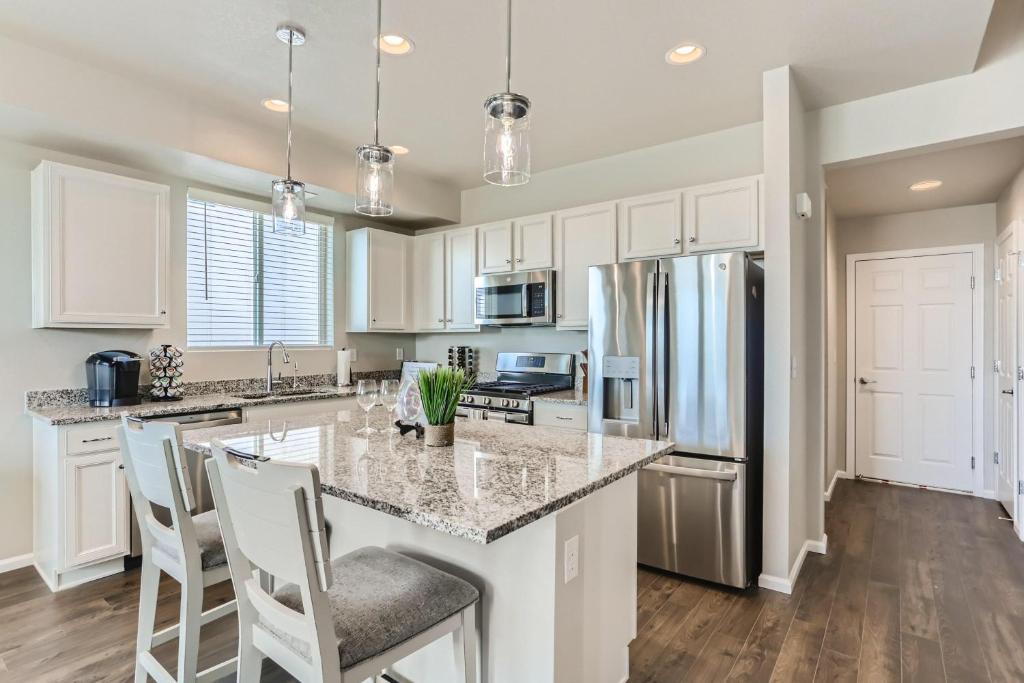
(867, 381)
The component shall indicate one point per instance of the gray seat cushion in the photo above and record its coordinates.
(379, 599)
(211, 545)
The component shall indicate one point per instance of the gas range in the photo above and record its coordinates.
(521, 376)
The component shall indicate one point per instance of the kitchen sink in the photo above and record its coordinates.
(280, 392)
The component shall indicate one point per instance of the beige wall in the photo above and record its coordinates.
(939, 228)
(1010, 206)
(51, 358)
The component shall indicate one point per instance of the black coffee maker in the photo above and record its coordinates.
(113, 378)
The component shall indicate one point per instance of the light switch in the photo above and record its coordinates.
(399, 353)
(572, 558)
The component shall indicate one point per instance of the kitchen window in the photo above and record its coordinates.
(249, 286)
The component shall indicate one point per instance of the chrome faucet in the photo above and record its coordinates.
(270, 362)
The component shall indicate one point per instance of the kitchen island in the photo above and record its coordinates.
(515, 510)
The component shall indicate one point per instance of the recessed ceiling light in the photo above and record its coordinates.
(396, 44)
(684, 53)
(925, 185)
(274, 104)
(398, 149)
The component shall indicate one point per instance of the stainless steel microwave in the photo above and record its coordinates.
(516, 298)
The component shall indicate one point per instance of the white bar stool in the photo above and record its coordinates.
(191, 551)
(342, 621)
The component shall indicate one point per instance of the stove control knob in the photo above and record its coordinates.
(515, 404)
(469, 399)
(487, 401)
(504, 403)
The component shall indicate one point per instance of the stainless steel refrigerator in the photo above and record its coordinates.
(677, 353)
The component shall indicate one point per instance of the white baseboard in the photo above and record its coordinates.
(785, 585)
(840, 474)
(17, 562)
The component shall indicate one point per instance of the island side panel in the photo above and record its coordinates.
(515, 575)
(595, 617)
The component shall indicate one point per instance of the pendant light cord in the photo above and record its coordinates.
(291, 41)
(376, 113)
(508, 46)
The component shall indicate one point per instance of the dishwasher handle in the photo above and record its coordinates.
(694, 472)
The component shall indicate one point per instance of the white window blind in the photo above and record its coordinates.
(249, 286)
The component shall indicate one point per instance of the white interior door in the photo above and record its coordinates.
(1006, 369)
(912, 370)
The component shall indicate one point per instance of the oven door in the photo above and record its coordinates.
(515, 299)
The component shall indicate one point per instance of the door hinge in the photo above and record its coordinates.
(972, 372)
(1020, 488)
(972, 462)
(972, 282)
(995, 457)
(1020, 374)
(995, 366)
(998, 276)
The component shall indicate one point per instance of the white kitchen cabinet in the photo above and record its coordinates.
(379, 279)
(722, 216)
(495, 247)
(532, 243)
(81, 503)
(431, 303)
(460, 269)
(96, 524)
(100, 246)
(584, 237)
(651, 225)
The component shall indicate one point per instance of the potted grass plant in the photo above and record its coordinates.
(439, 396)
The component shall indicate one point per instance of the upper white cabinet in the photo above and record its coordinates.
(532, 242)
(520, 244)
(724, 215)
(495, 245)
(429, 272)
(379, 278)
(584, 237)
(100, 245)
(460, 269)
(651, 225)
(444, 272)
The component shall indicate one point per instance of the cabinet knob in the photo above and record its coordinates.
(675, 241)
(373, 320)
(508, 260)
(692, 239)
(163, 312)
(519, 260)
(449, 320)
(559, 316)
(440, 320)
(120, 467)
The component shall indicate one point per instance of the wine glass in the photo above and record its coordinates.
(366, 397)
(389, 397)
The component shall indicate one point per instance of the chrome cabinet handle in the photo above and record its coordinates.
(562, 417)
(99, 438)
(1008, 392)
(692, 472)
(862, 380)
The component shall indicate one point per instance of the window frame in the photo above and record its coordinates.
(328, 327)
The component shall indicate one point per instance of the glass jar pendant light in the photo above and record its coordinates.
(507, 127)
(289, 196)
(375, 164)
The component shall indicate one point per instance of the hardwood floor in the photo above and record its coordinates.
(917, 585)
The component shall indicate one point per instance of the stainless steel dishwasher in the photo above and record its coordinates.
(194, 461)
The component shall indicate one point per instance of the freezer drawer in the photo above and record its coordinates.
(692, 518)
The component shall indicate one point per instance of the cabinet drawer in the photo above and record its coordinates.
(92, 439)
(560, 415)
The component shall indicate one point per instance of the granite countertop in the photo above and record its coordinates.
(497, 477)
(81, 413)
(569, 396)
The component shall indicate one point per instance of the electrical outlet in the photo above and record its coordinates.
(399, 353)
(355, 354)
(572, 558)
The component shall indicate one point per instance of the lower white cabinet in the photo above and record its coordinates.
(81, 503)
(445, 265)
(722, 216)
(566, 415)
(584, 237)
(379, 278)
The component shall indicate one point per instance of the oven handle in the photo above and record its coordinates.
(694, 472)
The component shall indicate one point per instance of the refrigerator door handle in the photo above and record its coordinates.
(651, 351)
(692, 472)
(661, 357)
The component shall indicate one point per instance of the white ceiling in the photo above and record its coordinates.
(974, 174)
(594, 69)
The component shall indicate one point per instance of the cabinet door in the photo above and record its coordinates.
(96, 508)
(533, 243)
(495, 247)
(723, 215)
(584, 237)
(651, 225)
(101, 249)
(389, 270)
(430, 281)
(460, 269)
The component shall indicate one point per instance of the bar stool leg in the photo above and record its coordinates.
(149, 589)
(189, 625)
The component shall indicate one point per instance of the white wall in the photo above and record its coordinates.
(725, 154)
(919, 229)
(1010, 206)
(50, 358)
